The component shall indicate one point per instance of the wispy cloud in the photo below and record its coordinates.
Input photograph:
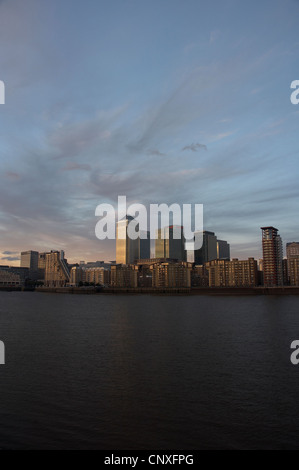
(156, 153)
(71, 166)
(195, 147)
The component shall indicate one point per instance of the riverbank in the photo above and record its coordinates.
(228, 291)
(177, 291)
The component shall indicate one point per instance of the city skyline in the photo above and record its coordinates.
(134, 268)
(74, 259)
(158, 101)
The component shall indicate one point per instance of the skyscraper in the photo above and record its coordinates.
(223, 250)
(272, 257)
(127, 250)
(145, 246)
(208, 251)
(170, 243)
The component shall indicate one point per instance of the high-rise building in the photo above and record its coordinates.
(170, 243)
(56, 273)
(29, 259)
(272, 257)
(127, 250)
(145, 246)
(223, 250)
(208, 251)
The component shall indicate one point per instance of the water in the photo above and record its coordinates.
(148, 372)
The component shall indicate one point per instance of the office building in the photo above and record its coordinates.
(56, 272)
(223, 250)
(127, 250)
(29, 260)
(170, 243)
(145, 246)
(209, 249)
(272, 257)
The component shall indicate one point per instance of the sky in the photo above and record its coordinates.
(163, 101)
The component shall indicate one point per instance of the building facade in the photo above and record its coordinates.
(29, 260)
(292, 253)
(170, 243)
(272, 257)
(199, 276)
(171, 274)
(9, 279)
(127, 250)
(56, 272)
(293, 270)
(234, 273)
(223, 250)
(208, 251)
(96, 276)
(124, 276)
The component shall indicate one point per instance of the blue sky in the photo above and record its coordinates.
(103, 96)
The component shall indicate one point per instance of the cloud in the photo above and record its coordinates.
(195, 147)
(70, 166)
(79, 156)
(156, 153)
(9, 252)
(10, 258)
